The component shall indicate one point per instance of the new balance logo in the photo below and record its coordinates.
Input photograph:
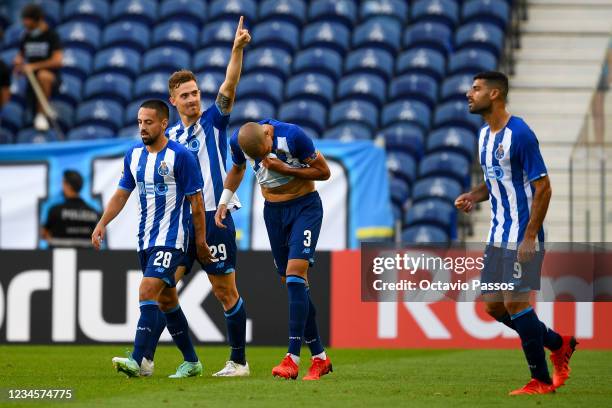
(306, 251)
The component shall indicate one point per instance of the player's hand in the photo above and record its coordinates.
(220, 215)
(465, 202)
(203, 253)
(242, 37)
(526, 250)
(98, 236)
(273, 164)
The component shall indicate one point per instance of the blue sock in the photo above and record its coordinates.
(551, 339)
(149, 353)
(311, 331)
(179, 330)
(298, 312)
(235, 318)
(529, 329)
(144, 329)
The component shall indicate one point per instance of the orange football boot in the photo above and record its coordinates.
(534, 386)
(318, 368)
(286, 369)
(560, 359)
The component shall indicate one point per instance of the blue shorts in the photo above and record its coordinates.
(222, 244)
(293, 228)
(161, 262)
(501, 266)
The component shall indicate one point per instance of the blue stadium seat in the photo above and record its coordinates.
(132, 132)
(400, 191)
(489, 11)
(232, 10)
(304, 113)
(114, 87)
(456, 114)
(370, 61)
(100, 112)
(19, 86)
(318, 60)
(388, 8)
(471, 61)
(480, 35)
(127, 34)
(292, 11)
(8, 56)
(131, 114)
(219, 33)
(404, 137)
(432, 212)
(6, 136)
(65, 114)
(436, 11)
(261, 86)
(425, 234)
(279, 34)
(354, 112)
(90, 132)
(142, 11)
(77, 62)
(213, 59)
(176, 34)
(398, 213)
(407, 111)
(153, 85)
(12, 35)
(367, 87)
(402, 165)
(85, 36)
(166, 59)
(422, 61)
(33, 136)
(443, 188)
(268, 60)
(316, 87)
(250, 110)
(11, 116)
(348, 132)
(449, 138)
(70, 90)
(380, 32)
(436, 36)
(88, 11)
(455, 87)
(209, 83)
(341, 11)
(189, 11)
(51, 9)
(448, 164)
(334, 36)
(118, 60)
(414, 86)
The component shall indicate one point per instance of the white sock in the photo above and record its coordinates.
(321, 355)
(296, 359)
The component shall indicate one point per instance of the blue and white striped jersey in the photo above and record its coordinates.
(207, 140)
(511, 160)
(290, 144)
(163, 180)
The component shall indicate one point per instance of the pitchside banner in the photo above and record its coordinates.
(355, 200)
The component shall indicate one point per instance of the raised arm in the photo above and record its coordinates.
(227, 91)
(114, 207)
(231, 184)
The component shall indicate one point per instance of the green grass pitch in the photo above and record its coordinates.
(389, 378)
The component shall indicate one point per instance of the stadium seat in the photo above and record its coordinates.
(11, 116)
(100, 112)
(131, 114)
(189, 11)
(65, 114)
(70, 90)
(433, 212)
(400, 191)
(405, 137)
(153, 85)
(402, 165)
(442, 188)
(116, 87)
(251, 110)
(6, 136)
(436, 11)
(416, 87)
(456, 114)
(118, 60)
(166, 59)
(261, 86)
(209, 84)
(387, 8)
(18, 89)
(277, 34)
(90, 132)
(318, 60)
(8, 56)
(76, 62)
(348, 132)
(352, 111)
(142, 11)
(132, 132)
(218, 34)
(127, 34)
(213, 59)
(370, 61)
(341, 11)
(488, 11)
(449, 138)
(334, 36)
(33, 136)
(367, 87)
(232, 10)
(454, 88)
(292, 11)
(480, 35)
(424, 61)
(88, 11)
(304, 113)
(407, 111)
(268, 60)
(176, 34)
(398, 213)
(313, 86)
(436, 36)
(85, 36)
(12, 35)
(379, 32)
(471, 61)
(424, 234)
(51, 10)
(448, 164)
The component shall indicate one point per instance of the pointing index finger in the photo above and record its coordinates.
(240, 23)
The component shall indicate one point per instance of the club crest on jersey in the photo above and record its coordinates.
(499, 153)
(193, 145)
(161, 189)
(163, 169)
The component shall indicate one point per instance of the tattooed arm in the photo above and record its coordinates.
(227, 91)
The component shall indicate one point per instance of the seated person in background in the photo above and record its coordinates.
(40, 52)
(71, 223)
